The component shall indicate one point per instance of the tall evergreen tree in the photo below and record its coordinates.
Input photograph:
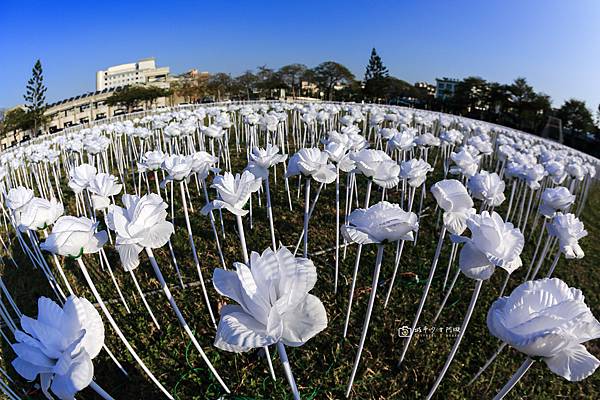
(375, 68)
(376, 76)
(35, 95)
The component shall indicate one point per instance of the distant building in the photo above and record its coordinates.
(445, 87)
(2, 112)
(141, 72)
(429, 88)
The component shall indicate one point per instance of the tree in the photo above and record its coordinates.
(330, 74)
(219, 84)
(375, 76)
(35, 96)
(269, 80)
(132, 96)
(470, 97)
(292, 75)
(192, 87)
(576, 116)
(246, 83)
(15, 120)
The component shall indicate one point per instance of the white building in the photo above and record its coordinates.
(445, 87)
(141, 72)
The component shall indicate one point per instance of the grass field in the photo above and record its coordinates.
(322, 366)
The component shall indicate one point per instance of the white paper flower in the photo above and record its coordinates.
(81, 176)
(102, 186)
(18, 197)
(273, 302)
(151, 161)
(314, 163)
(488, 187)
(403, 141)
(263, 159)
(177, 167)
(466, 163)
(378, 166)
(493, 243)
(59, 346)
(72, 236)
(452, 197)
(234, 192)
(568, 229)
(39, 214)
(142, 223)
(415, 170)
(203, 163)
(381, 222)
(555, 199)
(547, 319)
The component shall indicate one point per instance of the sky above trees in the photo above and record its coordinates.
(553, 43)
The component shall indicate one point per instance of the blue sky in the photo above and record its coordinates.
(554, 44)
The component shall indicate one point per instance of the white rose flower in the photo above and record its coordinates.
(261, 160)
(151, 161)
(274, 303)
(18, 197)
(72, 236)
(81, 176)
(102, 186)
(234, 192)
(555, 199)
(547, 319)
(378, 166)
(39, 214)
(59, 346)
(466, 163)
(312, 162)
(177, 167)
(381, 222)
(415, 170)
(493, 243)
(488, 187)
(203, 163)
(568, 229)
(142, 223)
(452, 197)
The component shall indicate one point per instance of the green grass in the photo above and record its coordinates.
(322, 366)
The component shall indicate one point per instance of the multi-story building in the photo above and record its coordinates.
(445, 87)
(428, 87)
(141, 72)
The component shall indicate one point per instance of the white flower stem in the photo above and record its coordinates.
(195, 254)
(399, 250)
(488, 363)
(537, 246)
(337, 229)
(553, 266)
(306, 215)
(212, 225)
(515, 379)
(240, 226)
(450, 260)
(180, 317)
(447, 296)
(363, 336)
(118, 331)
(141, 293)
(461, 334)
(101, 392)
(356, 265)
(424, 295)
(288, 370)
(270, 214)
(547, 246)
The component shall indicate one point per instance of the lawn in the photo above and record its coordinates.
(322, 366)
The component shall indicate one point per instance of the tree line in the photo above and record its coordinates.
(515, 105)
